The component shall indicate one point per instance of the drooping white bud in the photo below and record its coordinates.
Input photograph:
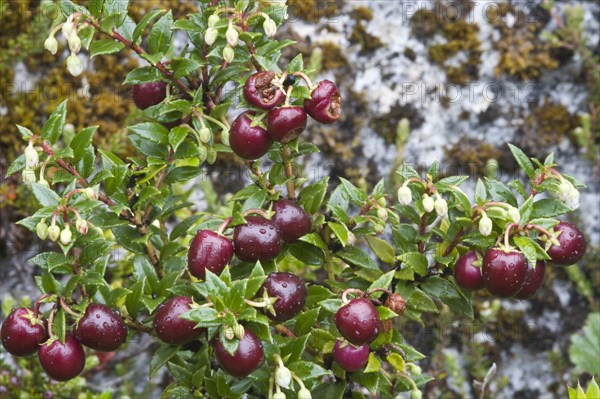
(210, 37)
(404, 195)
(228, 54)
(53, 232)
(68, 29)
(279, 395)
(51, 44)
(75, 44)
(28, 176)
(270, 27)
(572, 200)
(81, 226)
(42, 230)
(89, 193)
(213, 20)
(382, 214)
(74, 65)
(427, 203)
(225, 137)
(485, 225)
(283, 376)
(204, 134)
(32, 158)
(232, 35)
(304, 394)
(441, 207)
(66, 235)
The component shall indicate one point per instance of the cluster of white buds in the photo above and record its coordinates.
(441, 207)
(269, 26)
(32, 160)
(485, 224)
(69, 30)
(568, 194)
(428, 203)
(404, 195)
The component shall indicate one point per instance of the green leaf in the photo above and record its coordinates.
(499, 192)
(55, 124)
(357, 257)
(142, 75)
(548, 207)
(161, 34)
(593, 391)
(45, 195)
(526, 210)
(531, 249)
(296, 64)
(161, 357)
(59, 325)
(373, 365)
(306, 321)
(307, 370)
(81, 141)
(340, 231)
(311, 197)
(356, 195)
(382, 249)
(449, 294)
(584, 350)
(133, 300)
(523, 161)
(184, 66)
(151, 131)
(383, 282)
(25, 133)
(416, 261)
(105, 46)
(480, 193)
(16, 166)
(144, 22)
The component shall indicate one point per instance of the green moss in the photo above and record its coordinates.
(335, 56)
(471, 155)
(387, 125)
(359, 35)
(314, 10)
(460, 37)
(410, 54)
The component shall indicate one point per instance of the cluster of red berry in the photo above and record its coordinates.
(25, 332)
(505, 273)
(250, 138)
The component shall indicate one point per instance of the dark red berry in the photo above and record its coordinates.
(246, 141)
(101, 328)
(467, 275)
(286, 123)
(62, 361)
(248, 356)
(358, 321)
(293, 221)
(257, 240)
(290, 292)
(22, 333)
(148, 94)
(504, 272)
(260, 91)
(350, 357)
(572, 245)
(209, 250)
(171, 328)
(325, 104)
(533, 280)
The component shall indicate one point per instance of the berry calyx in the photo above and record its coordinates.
(101, 328)
(257, 240)
(292, 220)
(248, 356)
(209, 250)
(247, 141)
(148, 94)
(286, 123)
(325, 104)
(533, 280)
(290, 292)
(260, 91)
(466, 274)
(350, 357)
(358, 321)
(572, 245)
(171, 328)
(504, 272)
(60, 361)
(22, 332)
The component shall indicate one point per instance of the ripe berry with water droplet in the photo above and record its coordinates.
(572, 245)
(248, 356)
(60, 361)
(350, 357)
(146, 95)
(209, 250)
(22, 333)
(258, 239)
(290, 292)
(292, 220)
(101, 328)
(504, 272)
(171, 328)
(467, 275)
(358, 321)
(533, 280)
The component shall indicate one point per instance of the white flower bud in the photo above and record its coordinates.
(51, 44)
(225, 137)
(279, 395)
(213, 20)
(283, 377)
(404, 195)
(75, 44)
(485, 225)
(239, 331)
(28, 176)
(441, 207)
(228, 54)
(66, 235)
(68, 29)
(382, 214)
(228, 333)
(210, 37)
(204, 134)
(514, 214)
(53, 232)
(232, 36)
(415, 394)
(304, 394)
(32, 158)
(81, 226)
(42, 230)
(89, 193)
(74, 65)
(43, 181)
(211, 155)
(572, 200)
(202, 154)
(564, 189)
(427, 203)
(270, 27)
